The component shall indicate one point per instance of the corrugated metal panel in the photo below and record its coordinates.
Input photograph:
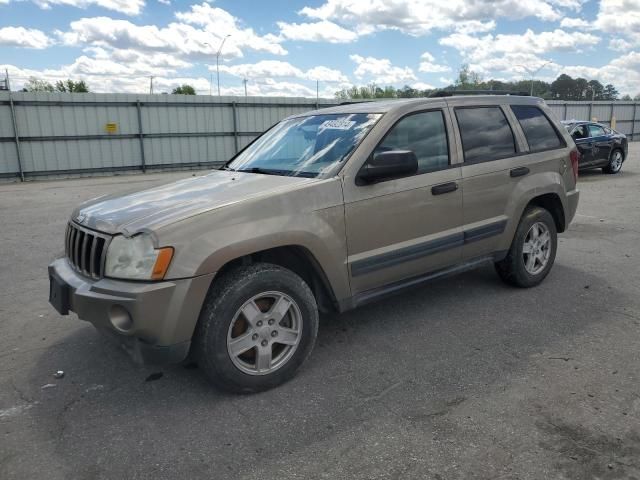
(179, 129)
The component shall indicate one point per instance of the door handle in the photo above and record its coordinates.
(519, 172)
(444, 188)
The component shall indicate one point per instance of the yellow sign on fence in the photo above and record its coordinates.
(111, 127)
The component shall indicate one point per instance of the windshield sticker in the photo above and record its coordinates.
(339, 124)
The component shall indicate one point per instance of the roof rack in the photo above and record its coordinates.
(451, 93)
(353, 102)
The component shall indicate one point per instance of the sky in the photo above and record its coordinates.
(292, 47)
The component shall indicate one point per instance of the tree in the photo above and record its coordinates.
(467, 79)
(37, 85)
(595, 90)
(184, 90)
(637, 98)
(69, 86)
(610, 92)
(626, 98)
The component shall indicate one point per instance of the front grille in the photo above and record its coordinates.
(86, 250)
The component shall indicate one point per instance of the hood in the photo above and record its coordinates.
(157, 206)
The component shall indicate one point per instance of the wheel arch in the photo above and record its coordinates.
(553, 204)
(301, 261)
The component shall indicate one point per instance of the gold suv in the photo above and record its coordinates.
(325, 211)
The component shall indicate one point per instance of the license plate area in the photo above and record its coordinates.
(58, 293)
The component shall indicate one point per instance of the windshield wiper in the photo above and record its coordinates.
(265, 171)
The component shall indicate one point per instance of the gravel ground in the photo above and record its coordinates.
(461, 379)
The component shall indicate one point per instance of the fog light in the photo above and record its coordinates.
(120, 318)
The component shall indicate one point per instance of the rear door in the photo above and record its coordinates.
(404, 227)
(490, 148)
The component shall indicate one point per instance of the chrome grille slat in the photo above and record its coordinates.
(83, 253)
(86, 250)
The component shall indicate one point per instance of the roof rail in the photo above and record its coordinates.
(451, 93)
(353, 102)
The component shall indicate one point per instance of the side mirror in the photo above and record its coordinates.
(388, 165)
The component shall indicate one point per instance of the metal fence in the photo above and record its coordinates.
(58, 134)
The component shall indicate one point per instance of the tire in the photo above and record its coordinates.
(515, 269)
(615, 162)
(240, 312)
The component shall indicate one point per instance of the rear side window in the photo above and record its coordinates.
(486, 134)
(596, 131)
(425, 135)
(537, 129)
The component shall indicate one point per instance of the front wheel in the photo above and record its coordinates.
(615, 162)
(258, 326)
(532, 251)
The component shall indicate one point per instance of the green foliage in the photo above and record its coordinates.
(37, 85)
(69, 86)
(184, 90)
(562, 88)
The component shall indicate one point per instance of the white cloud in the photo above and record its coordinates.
(216, 23)
(475, 26)
(322, 31)
(620, 44)
(422, 86)
(280, 69)
(621, 17)
(428, 64)
(575, 23)
(381, 71)
(128, 7)
(24, 37)
(477, 49)
(419, 17)
(623, 72)
(200, 33)
(325, 74)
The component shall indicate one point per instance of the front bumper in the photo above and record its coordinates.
(153, 320)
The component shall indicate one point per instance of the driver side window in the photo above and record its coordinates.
(425, 135)
(580, 132)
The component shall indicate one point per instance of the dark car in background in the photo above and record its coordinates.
(600, 146)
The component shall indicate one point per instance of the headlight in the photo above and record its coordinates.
(135, 258)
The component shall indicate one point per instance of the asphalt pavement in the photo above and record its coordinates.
(465, 378)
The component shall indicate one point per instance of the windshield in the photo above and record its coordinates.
(305, 146)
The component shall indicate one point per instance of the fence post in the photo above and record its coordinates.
(141, 137)
(590, 112)
(565, 111)
(633, 122)
(235, 124)
(16, 137)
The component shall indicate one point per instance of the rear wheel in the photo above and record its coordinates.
(258, 326)
(615, 162)
(532, 251)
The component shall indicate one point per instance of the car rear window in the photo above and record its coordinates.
(537, 128)
(486, 134)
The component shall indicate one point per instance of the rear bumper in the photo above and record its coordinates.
(572, 205)
(153, 320)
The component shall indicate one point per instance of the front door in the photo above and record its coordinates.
(601, 144)
(405, 227)
(585, 145)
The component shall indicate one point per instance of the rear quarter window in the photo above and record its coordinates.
(537, 128)
(485, 134)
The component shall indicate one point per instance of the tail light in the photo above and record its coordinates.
(575, 160)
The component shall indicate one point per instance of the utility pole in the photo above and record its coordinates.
(317, 90)
(533, 73)
(210, 83)
(245, 86)
(218, 61)
(7, 83)
(151, 77)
